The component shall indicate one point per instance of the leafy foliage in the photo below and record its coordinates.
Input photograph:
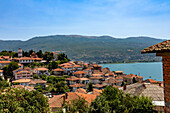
(48, 56)
(90, 87)
(77, 106)
(113, 100)
(22, 101)
(7, 70)
(3, 84)
(52, 65)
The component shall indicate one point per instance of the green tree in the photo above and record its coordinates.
(35, 76)
(3, 84)
(52, 65)
(77, 106)
(48, 56)
(7, 70)
(18, 100)
(30, 52)
(39, 54)
(63, 58)
(61, 87)
(90, 87)
(113, 100)
(25, 54)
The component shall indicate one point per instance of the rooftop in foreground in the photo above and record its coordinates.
(160, 47)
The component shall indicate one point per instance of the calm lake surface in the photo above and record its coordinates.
(151, 70)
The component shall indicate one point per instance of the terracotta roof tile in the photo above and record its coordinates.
(1, 71)
(58, 69)
(99, 85)
(79, 72)
(72, 78)
(160, 47)
(77, 85)
(5, 62)
(21, 80)
(96, 92)
(96, 78)
(81, 90)
(41, 69)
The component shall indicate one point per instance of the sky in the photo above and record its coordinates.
(24, 19)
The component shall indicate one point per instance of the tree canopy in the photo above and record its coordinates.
(113, 100)
(9, 68)
(18, 100)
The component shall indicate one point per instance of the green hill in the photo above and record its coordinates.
(89, 48)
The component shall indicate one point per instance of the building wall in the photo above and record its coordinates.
(166, 78)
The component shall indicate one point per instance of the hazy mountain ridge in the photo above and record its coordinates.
(88, 48)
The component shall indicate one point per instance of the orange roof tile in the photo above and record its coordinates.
(96, 65)
(130, 76)
(96, 92)
(77, 66)
(21, 81)
(96, 78)
(77, 85)
(41, 69)
(83, 79)
(117, 72)
(79, 72)
(58, 69)
(99, 85)
(81, 90)
(119, 77)
(1, 71)
(23, 71)
(88, 97)
(56, 101)
(72, 78)
(160, 47)
(35, 81)
(96, 75)
(5, 62)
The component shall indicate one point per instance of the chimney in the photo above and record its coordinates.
(124, 87)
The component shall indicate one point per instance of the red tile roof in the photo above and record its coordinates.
(35, 81)
(96, 92)
(130, 76)
(21, 81)
(41, 69)
(5, 62)
(1, 71)
(77, 85)
(81, 90)
(72, 78)
(160, 47)
(58, 69)
(96, 78)
(58, 100)
(99, 85)
(83, 79)
(79, 72)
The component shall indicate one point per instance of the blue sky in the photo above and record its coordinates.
(24, 19)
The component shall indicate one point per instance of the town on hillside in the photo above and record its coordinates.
(62, 80)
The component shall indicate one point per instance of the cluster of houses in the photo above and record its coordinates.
(80, 74)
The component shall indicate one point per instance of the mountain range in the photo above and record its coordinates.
(105, 49)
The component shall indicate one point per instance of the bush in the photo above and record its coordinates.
(18, 100)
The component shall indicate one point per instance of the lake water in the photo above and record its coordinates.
(147, 70)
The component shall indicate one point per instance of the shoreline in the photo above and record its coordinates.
(128, 63)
